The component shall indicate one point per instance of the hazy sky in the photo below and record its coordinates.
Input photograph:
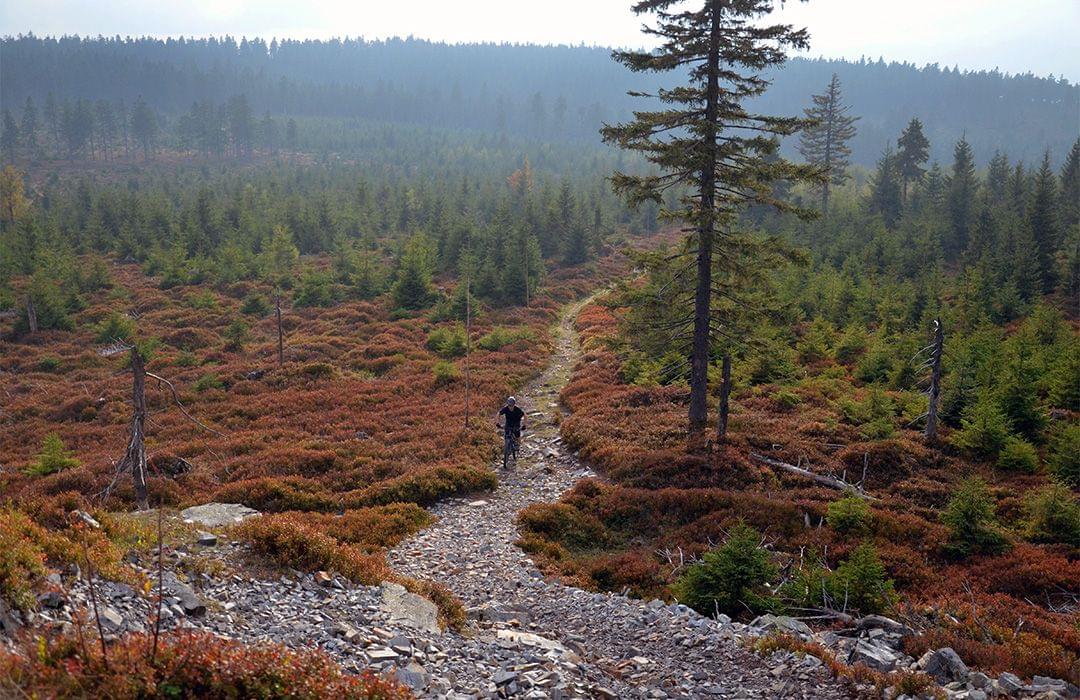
(1015, 36)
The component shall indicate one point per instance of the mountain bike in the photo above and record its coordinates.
(511, 442)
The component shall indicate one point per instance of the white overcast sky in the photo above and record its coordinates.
(1014, 35)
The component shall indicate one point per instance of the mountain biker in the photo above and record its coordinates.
(513, 419)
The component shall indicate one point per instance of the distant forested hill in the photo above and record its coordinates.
(550, 93)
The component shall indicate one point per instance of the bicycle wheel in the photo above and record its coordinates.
(507, 450)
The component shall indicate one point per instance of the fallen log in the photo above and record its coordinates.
(829, 481)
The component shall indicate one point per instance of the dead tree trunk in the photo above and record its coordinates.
(468, 346)
(725, 395)
(280, 335)
(135, 457)
(31, 314)
(935, 381)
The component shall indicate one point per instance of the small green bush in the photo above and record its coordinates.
(205, 300)
(1018, 456)
(53, 457)
(316, 289)
(255, 305)
(860, 583)
(50, 363)
(236, 335)
(972, 522)
(208, 381)
(984, 431)
(1053, 515)
(852, 344)
(186, 359)
(1064, 456)
(113, 328)
(850, 515)
(786, 400)
(875, 365)
(445, 372)
(318, 370)
(499, 337)
(447, 342)
(730, 579)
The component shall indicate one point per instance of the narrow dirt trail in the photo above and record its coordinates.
(619, 647)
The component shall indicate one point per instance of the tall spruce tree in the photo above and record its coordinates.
(1070, 188)
(960, 199)
(706, 141)
(824, 142)
(144, 126)
(885, 189)
(1042, 217)
(913, 148)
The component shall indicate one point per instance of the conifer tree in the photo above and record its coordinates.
(52, 117)
(960, 199)
(824, 143)
(885, 190)
(704, 139)
(144, 126)
(1070, 187)
(28, 128)
(1042, 218)
(997, 177)
(913, 148)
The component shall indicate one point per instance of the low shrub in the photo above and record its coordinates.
(317, 370)
(985, 429)
(255, 305)
(115, 327)
(564, 524)
(786, 400)
(731, 578)
(186, 665)
(850, 515)
(447, 341)
(1018, 455)
(52, 458)
(236, 335)
(444, 373)
(207, 382)
(1053, 516)
(972, 522)
(499, 337)
(289, 541)
(372, 528)
(22, 562)
(1064, 457)
(860, 583)
(270, 494)
(50, 363)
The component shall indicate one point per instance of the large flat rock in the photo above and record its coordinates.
(217, 514)
(408, 608)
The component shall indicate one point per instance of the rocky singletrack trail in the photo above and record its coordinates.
(527, 637)
(616, 646)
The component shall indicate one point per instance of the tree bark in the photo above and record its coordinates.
(135, 457)
(725, 395)
(935, 381)
(31, 314)
(280, 336)
(699, 356)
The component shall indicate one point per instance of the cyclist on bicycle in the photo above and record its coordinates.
(513, 422)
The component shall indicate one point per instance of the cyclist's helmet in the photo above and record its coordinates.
(511, 401)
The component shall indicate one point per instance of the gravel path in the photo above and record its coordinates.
(625, 647)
